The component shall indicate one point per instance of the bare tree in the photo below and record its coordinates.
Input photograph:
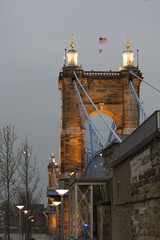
(8, 163)
(29, 179)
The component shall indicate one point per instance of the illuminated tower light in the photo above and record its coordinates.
(72, 54)
(127, 55)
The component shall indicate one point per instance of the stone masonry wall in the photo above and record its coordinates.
(121, 204)
(145, 191)
(104, 219)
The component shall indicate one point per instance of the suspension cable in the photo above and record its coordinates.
(137, 98)
(91, 123)
(145, 82)
(119, 140)
(56, 185)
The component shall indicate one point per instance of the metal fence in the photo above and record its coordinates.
(90, 176)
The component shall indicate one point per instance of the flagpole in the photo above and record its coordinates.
(101, 40)
(100, 60)
(100, 50)
(137, 59)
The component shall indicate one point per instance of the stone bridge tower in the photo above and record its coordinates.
(109, 90)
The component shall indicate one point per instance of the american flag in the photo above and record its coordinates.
(102, 40)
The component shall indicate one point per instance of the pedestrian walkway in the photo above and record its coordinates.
(79, 238)
(36, 236)
(41, 237)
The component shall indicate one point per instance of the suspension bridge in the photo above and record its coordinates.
(83, 94)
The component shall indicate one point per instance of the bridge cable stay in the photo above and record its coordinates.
(56, 184)
(91, 146)
(138, 101)
(133, 106)
(83, 117)
(141, 115)
(145, 82)
(113, 126)
(88, 117)
(117, 137)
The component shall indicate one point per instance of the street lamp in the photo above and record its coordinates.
(61, 192)
(26, 219)
(56, 205)
(32, 221)
(25, 211)
(20, 207)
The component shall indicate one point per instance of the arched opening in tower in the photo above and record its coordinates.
(98, 138)
(102, 129)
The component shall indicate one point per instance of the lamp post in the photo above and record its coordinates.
(32, 221)
(20, 207)
(61, 192)
(85, 227)
(26, 227)
(56, 205)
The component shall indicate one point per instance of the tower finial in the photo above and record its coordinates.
(127, 44)
(72, 43)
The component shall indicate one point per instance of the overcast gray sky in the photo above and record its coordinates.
(33, 36)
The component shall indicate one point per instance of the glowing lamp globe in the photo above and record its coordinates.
(127, 58)
(61, 192)
(20, 207)
(72, 56)
(56, 203)
(26, 211)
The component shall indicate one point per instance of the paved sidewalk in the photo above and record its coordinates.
(36, 236)
(42, 236)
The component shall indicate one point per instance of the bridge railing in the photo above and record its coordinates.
(94, 74)
(101, 73)
(81, 176)
(140, 136)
